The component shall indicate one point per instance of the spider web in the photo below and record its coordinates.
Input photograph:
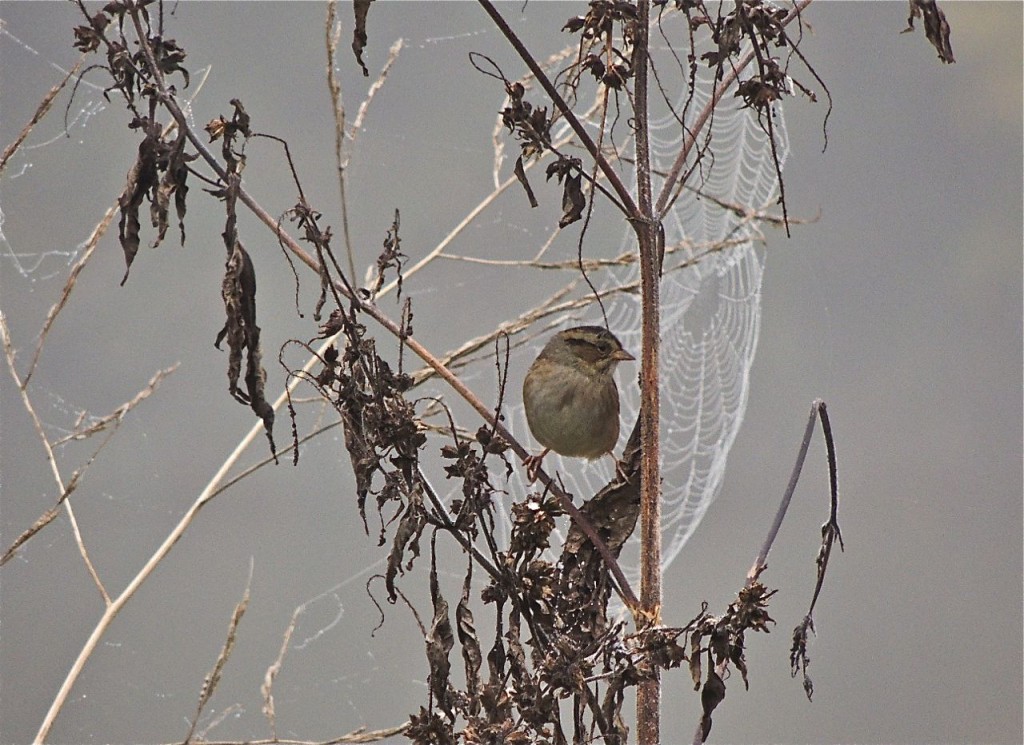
(710, 305)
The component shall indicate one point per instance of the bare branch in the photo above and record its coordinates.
(213, 679)
(41, 110)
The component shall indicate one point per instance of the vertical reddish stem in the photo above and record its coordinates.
(649, 692)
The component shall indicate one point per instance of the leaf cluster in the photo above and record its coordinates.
(613, 26)
(161, 170)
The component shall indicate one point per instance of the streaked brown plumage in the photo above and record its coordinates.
(570, 395)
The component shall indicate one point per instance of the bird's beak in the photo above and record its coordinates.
(621, 355)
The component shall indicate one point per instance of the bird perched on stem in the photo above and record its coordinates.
(570, 395)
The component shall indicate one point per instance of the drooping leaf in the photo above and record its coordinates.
(361, 9)
(936, 27)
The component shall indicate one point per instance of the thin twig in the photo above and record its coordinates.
(344, 140)
(332, 35)
(213, 679)
(51, 458)
(761, 562)
(41, 110)
(69, 285)
(621, 191)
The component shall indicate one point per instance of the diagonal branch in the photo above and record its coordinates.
(670, 190)
(51, 458)
(577, 126)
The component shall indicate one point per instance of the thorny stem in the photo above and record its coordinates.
(648, 699)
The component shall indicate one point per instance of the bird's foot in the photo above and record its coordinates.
(533, 463)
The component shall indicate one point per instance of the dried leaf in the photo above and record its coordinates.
(391, 257)
(798, 657)
(142, 180)
(440, 641)
(169, 56)
(531, 126)
(471, 656)
(569, 174)
(429, 728)
(710, 697)
(360, 8)
(173, 182)
(88, 38)
(520, 173)
(936, 27)
(238, 290)
(408, 533)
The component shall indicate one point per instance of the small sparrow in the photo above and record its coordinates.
(571, 400)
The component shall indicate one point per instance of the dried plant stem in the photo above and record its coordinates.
(50, 457)
(41, 111)
(818, 409)
(648, 231)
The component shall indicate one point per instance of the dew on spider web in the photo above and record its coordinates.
(710, 323)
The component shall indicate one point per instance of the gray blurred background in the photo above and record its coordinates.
(901, 306)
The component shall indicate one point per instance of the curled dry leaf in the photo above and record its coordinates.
(936, 27)
(440, 640)
(238, 290)
(361, 9)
